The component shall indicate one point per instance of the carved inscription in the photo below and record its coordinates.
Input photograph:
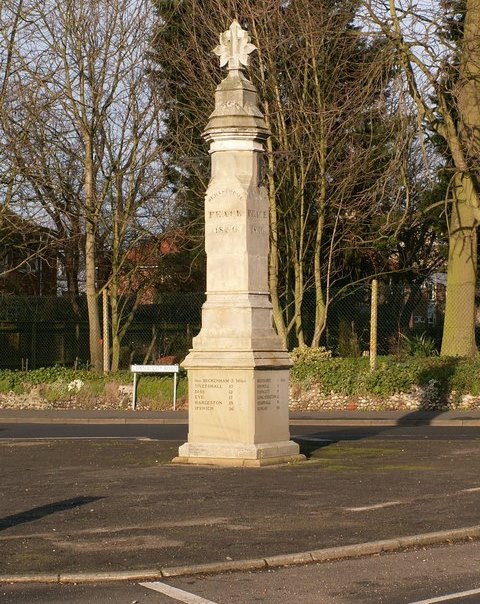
(207, 393)
(255, 228)
(224, 221)
(258, 221)
(224, 193)
(224, 214)
(211, 393)
(257, 214)
(224, 228)
(268, 392)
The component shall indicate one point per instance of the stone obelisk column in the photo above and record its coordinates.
(238, 369)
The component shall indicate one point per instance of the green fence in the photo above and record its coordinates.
(43, 331)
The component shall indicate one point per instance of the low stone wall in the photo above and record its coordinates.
(35, 400)
(301, 399)
(425, 398)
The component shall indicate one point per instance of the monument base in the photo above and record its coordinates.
(238, 416)
(226, 462)
(239, 455)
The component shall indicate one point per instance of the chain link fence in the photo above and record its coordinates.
(405, 315)
(45, 331)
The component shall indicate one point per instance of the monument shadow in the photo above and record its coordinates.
(44, 510)
(434, 401)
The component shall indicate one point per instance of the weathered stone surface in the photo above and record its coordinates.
(238, 370)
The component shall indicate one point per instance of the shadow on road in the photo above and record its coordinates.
(44, 510)
(434, 394)
(323, 437)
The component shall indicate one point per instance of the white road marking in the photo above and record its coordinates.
(175, 593)
(375, 506)
(460, 594)
(39, 439)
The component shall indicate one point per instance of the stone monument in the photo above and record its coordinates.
(238, 370)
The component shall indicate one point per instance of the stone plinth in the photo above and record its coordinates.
(238, 417)
(237, 369)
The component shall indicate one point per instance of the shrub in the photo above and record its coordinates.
(420, 345)
(352, 376)
(87, 388)
(9, 382)
(157, 392)
(437, 376)
(305, 354)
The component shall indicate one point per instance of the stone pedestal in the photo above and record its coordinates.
(237, 369)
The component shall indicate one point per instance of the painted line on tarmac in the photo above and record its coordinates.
(374, 506)
(387, 504)
(175, 593)
(40, 439)
(460, 594)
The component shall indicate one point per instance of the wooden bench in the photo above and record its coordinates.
(153, 369)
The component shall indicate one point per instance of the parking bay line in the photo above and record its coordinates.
(374, 506)
(460, 594)
(175, 593)
(386, 504)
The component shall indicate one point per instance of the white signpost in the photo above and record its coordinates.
(153, 369)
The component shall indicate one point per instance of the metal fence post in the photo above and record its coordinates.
(106, 334)
(373, 325)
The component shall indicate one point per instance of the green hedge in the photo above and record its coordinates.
(353, 376)
(345, 376)
(19, 381)
(59, 383)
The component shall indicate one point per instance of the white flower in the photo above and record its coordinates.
(75, 386)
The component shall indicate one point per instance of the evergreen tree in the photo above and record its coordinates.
(333, 158)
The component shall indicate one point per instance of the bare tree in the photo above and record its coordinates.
(83, 132)
(336, 146)
(441, 74)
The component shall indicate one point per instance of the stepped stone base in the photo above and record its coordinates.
(239, 455)
(238, 417)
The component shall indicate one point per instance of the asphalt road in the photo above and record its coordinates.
(178, 432)
(415, 577)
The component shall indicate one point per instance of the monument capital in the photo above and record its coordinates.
(234, 48)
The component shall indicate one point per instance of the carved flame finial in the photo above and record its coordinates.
(234, 47)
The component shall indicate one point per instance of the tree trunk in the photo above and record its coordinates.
(298, 302)
(115, 327)
(320, 301)
(320, 305)
(94, 331)
(459, 326)
(273, 263)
